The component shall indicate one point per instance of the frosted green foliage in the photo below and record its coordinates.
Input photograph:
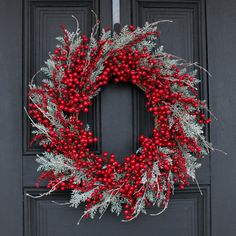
(140, 206)
(56, 163)
(118, 176)
(160, 199)
(150, 195)
(139, 150)
(144, 178)
(116, 206)
(75, 44)
(95, 94)
(46, 71)
(123, 38)
(149, 44)
(71, 35)
(50, 67)
(87, 128)
(191, 164)
(48, 81)
(105, 204)
(193, 73)
(97, 71)
(93, 212)
(60, 39)
(41, 129)
(171, 121)
(77, 197)
(51, 109)
(171, 181)
(36, 98)
(190, 126)
(155, 174)
(165, 150)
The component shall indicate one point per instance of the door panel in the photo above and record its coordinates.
(42, 24)
(119, 115)
(185, 37)
(186, 216)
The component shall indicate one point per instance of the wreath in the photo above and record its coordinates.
(75, 74)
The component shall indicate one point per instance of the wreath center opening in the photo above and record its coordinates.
(123, 111)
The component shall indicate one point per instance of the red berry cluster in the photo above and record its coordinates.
(71, 94)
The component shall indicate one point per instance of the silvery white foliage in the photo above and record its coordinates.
(105, 34)
(60, 39)
(158, 51)
(46, 71)
(47, 81)
(87, 127)
(105, 204)
(36, 98)
(171, 181)
(118, 176)
(126, 36)
(140, 206)
(149, 43)
(95, 94)
(151, 196)
(183, 71)
(51, 109)
(92, 44)
(50, 67)
(171, 121)
(165, 150)
(79, 177)
(144, 178)
(191, 164)
(108, 198)
(93, 211)
(123, 38)
(191, 128)
(194, 73)
(139, 150)
(98, 70)
(161, 198)
(75, 43)
(116, 206)
(41, 129)
(155, 173)
(56, 163)
(106, 48)
(71, 35)
(78, 197)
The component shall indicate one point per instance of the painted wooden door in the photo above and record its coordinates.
(203, 31)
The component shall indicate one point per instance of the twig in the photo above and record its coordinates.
(32, 79)
(50, 191)
(77, 25)
(157, 214)
(37, 126)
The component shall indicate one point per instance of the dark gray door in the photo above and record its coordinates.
(203, 31)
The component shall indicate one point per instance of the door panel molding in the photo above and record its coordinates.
(42, 21)
(190, 208)
(186, 37)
